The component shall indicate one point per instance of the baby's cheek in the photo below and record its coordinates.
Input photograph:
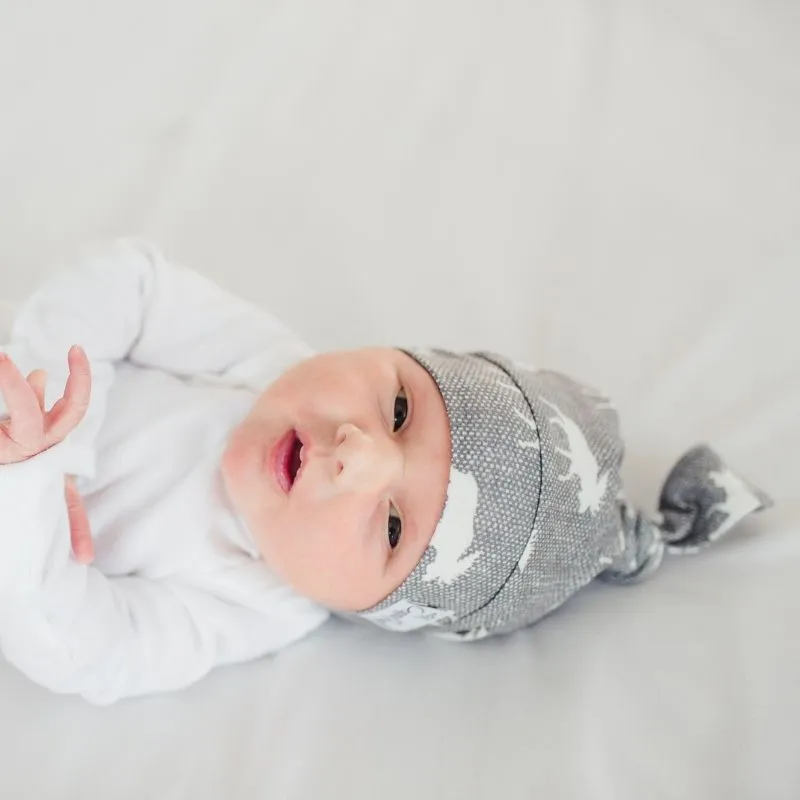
(323, 552)
(241, 463)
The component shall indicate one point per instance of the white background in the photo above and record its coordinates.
(608, 188)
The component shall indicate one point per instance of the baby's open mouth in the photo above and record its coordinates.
(287, 460)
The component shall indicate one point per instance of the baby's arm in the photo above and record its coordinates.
(125, 300)
(74, 630)
(65, 624)
(106, 639)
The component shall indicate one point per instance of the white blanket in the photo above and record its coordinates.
(465, 174)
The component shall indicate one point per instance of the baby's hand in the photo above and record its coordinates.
(29, 429)
(80, 533)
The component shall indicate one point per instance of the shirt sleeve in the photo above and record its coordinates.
(74, 630)
(125, 300)
(68, 626)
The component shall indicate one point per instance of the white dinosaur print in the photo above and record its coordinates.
(454, 533)
(526, 553)
(528, 444)
(512, 387)
(524, 444)
(738, 503)
(520, 365)
(583, 465)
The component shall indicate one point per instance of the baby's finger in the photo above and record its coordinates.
(65, 415)
(37, 380)
(26, 423)
(80, 533)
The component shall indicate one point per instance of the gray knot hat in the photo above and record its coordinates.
(535, 508)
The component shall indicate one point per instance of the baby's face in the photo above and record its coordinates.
(340, 471)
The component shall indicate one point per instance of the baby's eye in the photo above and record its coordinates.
(400, 410)
(395, 527)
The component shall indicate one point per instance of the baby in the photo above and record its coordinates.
(208, 490)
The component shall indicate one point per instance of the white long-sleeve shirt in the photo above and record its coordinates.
(177, 586)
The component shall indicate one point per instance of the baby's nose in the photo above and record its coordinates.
(344, 432)
(364, 461)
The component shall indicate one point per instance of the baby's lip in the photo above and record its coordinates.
(286, 463)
